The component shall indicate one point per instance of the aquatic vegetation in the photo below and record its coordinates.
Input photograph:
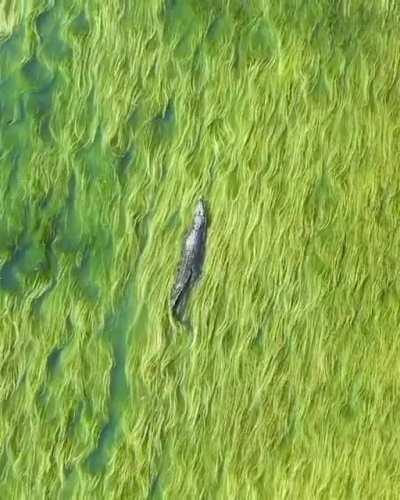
(113, 117)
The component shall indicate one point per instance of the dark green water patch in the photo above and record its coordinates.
(257, 343)
(29, 256)
(11, 101)
(39, 102)
(15, 139)
(11, 229)
(4, 462)
(185, 47)
(124, 166)
(93, 261)
(80, 26)
(36, 74)
(136, 118)
(7, 237)
(49, 28)
(103, 250)
(156, 489)
(69, 226)
(179, 18)
(49, 263)
(45, 201)
(232, 185)
(11, 52)
(258, 42)
(181, 26)
(197, 71)
(25, 261)
(24, 256)
(45, 396)
(95, 159)
(42, 397)
(116, 332)
(321, 202)
(37, 303)
(84, 276)
(45, 129)
(9, 280)
(97, 461)
(14, 178)
(319, 85)
(352, 400)
(39, 105)
(74, 418)
(53, 361)
(164, 123)
(70, 231)
(219, 31)
(173, 221)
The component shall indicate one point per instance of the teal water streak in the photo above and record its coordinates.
(116, 332)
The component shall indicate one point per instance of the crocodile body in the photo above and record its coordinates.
(192, 261)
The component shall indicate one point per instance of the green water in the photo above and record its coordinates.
(115, 117)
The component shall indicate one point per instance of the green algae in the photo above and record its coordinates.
(114, 118)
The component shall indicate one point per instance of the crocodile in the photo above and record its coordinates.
(191, 261)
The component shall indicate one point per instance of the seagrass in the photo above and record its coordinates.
(115, 117)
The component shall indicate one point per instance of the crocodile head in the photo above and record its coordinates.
(199, 215)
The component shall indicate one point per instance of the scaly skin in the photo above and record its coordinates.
(192, 261)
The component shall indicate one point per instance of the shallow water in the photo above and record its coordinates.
(115, 119)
